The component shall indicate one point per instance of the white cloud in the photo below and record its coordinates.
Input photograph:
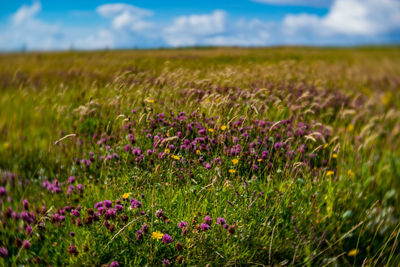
(349, 17)
(311, 3)
(126, 16)
(189, 30)
(26, 13)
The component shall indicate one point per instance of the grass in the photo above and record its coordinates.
(325, 191)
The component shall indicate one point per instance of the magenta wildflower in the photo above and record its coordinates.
(114, 264)
(119, 207)
(71, 179)
(182, 224)
(28, 230)
(166, 239)
(204, 226)
(2, 191)
(207, 220)
(25, 204)
(3, 252)
(75, 213)
(166, 262)
(26, 244)
(221, 221)
(135, 203)
(107, 204)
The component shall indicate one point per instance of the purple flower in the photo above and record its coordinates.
(221, 221)
(25, 204)
(135, 203)
(208, 166)
(72, 234)
(127, 148)
(3, 252)
(71, 179)
(277, 145)
(204, 226)
(26, 244)
(79, 187)
(98, 205)
(166, 262)
(207, 220)
(107, 204)
(110, 214)
(70, 189)
(75, 213)
(166, 239)
(28, 230)
(2, 191)
(72, 250)
(114, 263)
(119, 207)
(160, 214)
(139, 234)
(182, 224)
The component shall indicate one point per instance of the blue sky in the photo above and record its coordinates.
(59, 25)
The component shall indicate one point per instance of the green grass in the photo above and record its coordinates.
(287, 214)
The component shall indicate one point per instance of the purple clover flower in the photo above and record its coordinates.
(182, 224)
(204, 226)
(166, 239)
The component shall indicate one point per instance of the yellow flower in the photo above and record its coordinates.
(197, 152)
(259, 160)
(6, 145)
(350, 127)
(232, 171)
(235, 161)
(329, 173)
(125, 196)
(175, 157)
(350, 173)
(150, 100)
(326, 145)
(353, 252)
(334, 156)
(223, 127)
(211, 130)
(167, 151)
(157, 235)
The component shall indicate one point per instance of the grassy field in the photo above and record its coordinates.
(220, 156)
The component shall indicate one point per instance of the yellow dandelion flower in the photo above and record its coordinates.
(125, 196)
(334, 156)
(232, 171)
(157, 235)
(150, 100)
(329, 173)
(235, 161)
(197, 152)
(350, 127)
(259, 160)
(175, 157)
(167, 151)
(211, 130)
(353, 252)
(223, 127)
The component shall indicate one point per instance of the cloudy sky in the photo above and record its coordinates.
(58, 25)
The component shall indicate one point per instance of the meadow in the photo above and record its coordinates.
(208, 157)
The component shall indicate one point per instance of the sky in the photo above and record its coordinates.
(87, 25)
